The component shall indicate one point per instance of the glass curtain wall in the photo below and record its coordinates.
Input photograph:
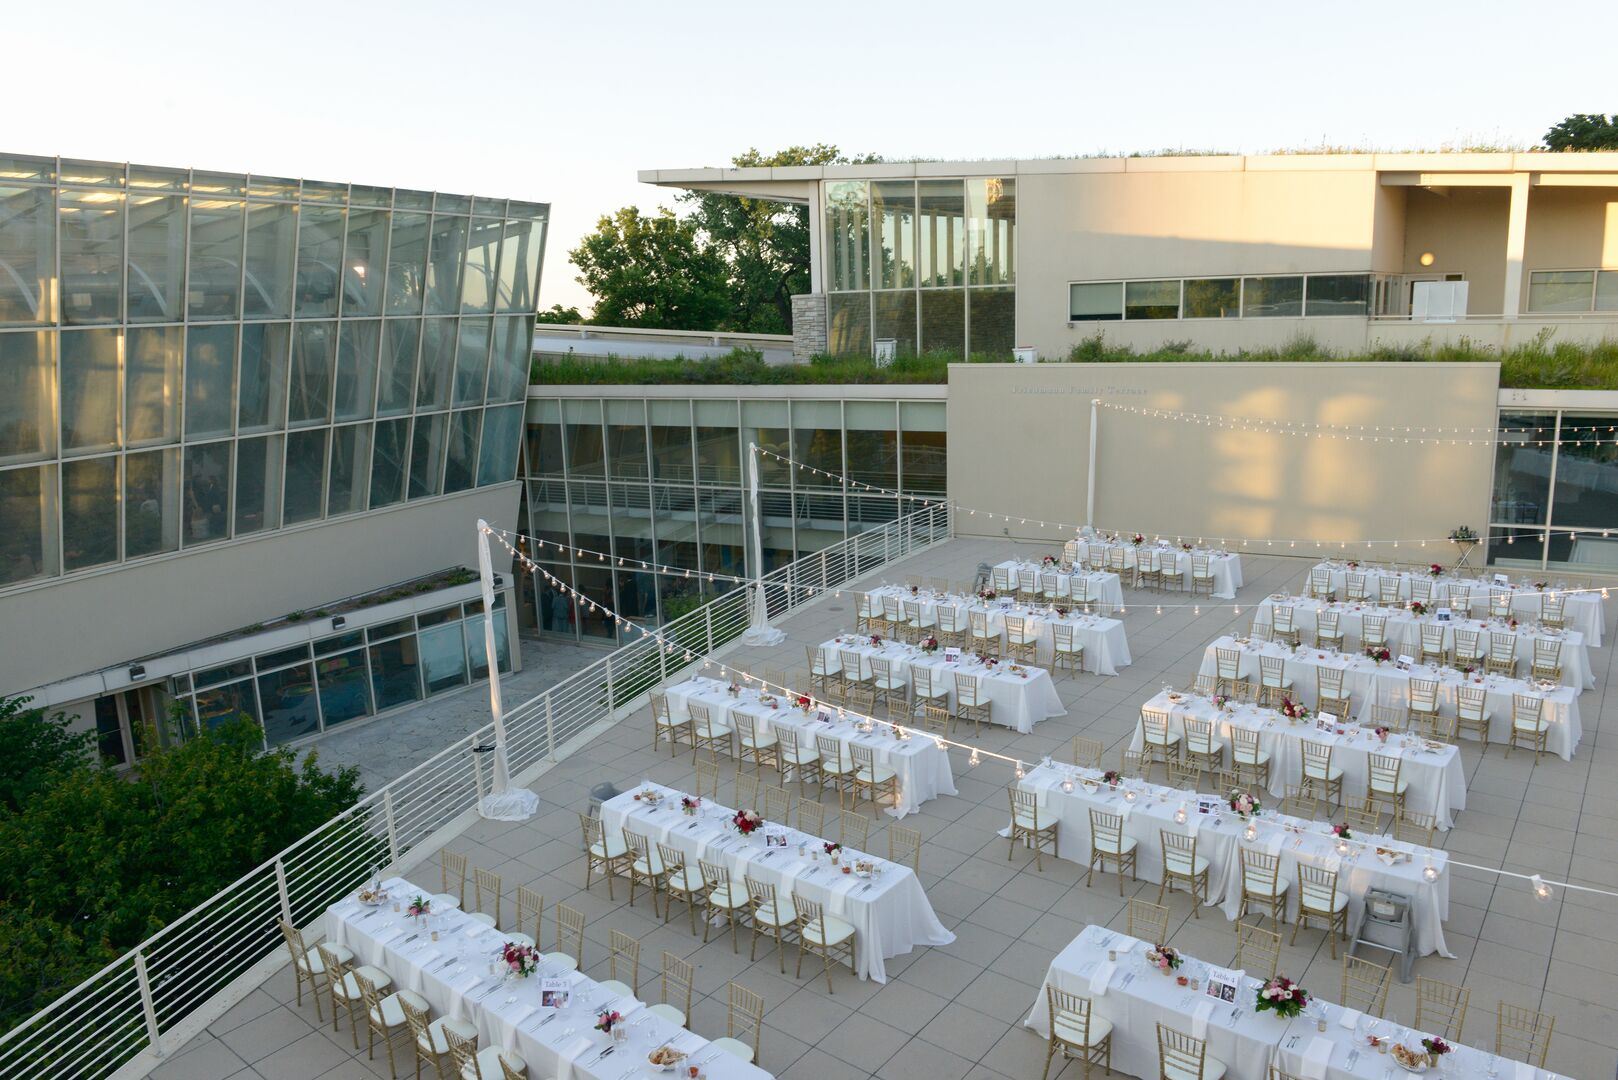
(929, 265)
(187, 358)
(1554, 505)
(666, 481)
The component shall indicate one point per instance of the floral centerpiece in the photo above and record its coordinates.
(1048, 560)
(1137, 539)
(1281, 996)
(1223, 701)
(987, 593)
(1165, 958)
(690, 804)
(1243, 803)
(989, 661)
(1061, 612)
(1435, 569)
(1379, 653)
(876, 641)
(1418, 608)
(1512, 622)
(520, 961)
(418, 907)
(1353, 564)
(803, 703)
(1436, 1048)
(1540, 585)
(734, 689)
(832, 847)
(608, 1019)
(1112, 776)
(1381, 733)
(1186, 546)
(915, 589)
(746, 821)
(928, 644)
(1294, 710)
(1341, 832)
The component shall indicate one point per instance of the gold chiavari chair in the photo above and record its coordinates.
(1441, 1007)
(1258, 950)
(1066, 650)
(1248, 761)
(1107, 841)
(777, 805)
(1147, 921)
(1183, 866)
(1204, 685)
(1034, 830)
(969, 702)
(681, 882)
(936, 720)
(981, 640)
(384, 1015)
(1547, 663)
(887, 685)
(486, 891)
(663, 724)
(1086, 752)
(1553, 610)
(530, 902)
(1132, 763)
(674, 990)
(1227, 664)
(707, 780)
(861, 700)
(490, 1063)
(602, 852)
(1021, 638)
(1388, 591)
(1421, 590)
(1388, 716)
(774, 916)
(851, 666)
(796, 753)
(853, 829)
(1320, 587)
(927, 688)
(1469, 654)
(1422, 705)
(428, 1034)
(1182, 1056)
(904, 847)
(706, 731)
(1321, 899)
(1158, 742)
(1186, 775)
(836, 766)
(308, 966)
(919, 622)
(951, 631)
(1365, 985)
(868, 614)
(747, 788)
(872, 779)
(1528, 724)
(1202, 575)
(1432, 644)
(1383, 782)
(1354, 587)
(1363, 817)
(1284, 625)
(1470, 714)
(1414, 827)
(1201, 748)
(1300, 802)
(1075, 1033)
(1502, 657)
(569, 951)
(623, 960)
(1328, 630)
(893, 618)
(1262, 884)
(1262, 629)
(452, 871)
(824, 935)
(939, 585)
(820, 674)
(811, 817)
(1522, 1033)
(1273, 682)
(753, 744)
(725, 899)
(1319, 772)
(1330, 697)
(1374, 629)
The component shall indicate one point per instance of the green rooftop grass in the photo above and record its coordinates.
(1540, 364)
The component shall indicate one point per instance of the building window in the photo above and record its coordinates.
(1337, 294)
(1560, 290)
(1151, 300)
(1540, 525)
(1272, 297)
(1213, 298)
(1095, 301)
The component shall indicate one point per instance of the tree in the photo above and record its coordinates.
(36, 752)
(556, 313)
(652, 272)
(1584, 131)
(94, 861)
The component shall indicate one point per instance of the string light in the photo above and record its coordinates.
(1486, 436)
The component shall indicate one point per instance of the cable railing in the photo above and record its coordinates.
(125, 1018)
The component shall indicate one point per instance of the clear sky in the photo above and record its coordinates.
(562, 103)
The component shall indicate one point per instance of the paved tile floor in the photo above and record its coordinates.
(955, 1012)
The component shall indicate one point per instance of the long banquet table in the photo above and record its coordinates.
(1106, 645)
(1148, 809)
(1371, 683)
(922, 766)
(1020, 698)
(453, 974)
(1101, 586)
(1135, 998)
(1433, 769)
(890, 912)
(1585, 611)
(1404, 630)
(1226, 566)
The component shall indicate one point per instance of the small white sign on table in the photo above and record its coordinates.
(1223, 983)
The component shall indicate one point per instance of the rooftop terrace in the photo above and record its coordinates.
(955, 1012)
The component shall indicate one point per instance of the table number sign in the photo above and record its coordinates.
(822, 716)
(1223, 983)
(1444, 614)
(1405, 662)
(1502, 579)
(553, 993)
(1326, 722)
(1208, 804)
(952, 655)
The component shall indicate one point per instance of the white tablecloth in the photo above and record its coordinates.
(1371, 684)
(1219, 839)
(1585, 612)
(1106, 645)
(1437, 781)
(1103, 585)
(1019, 700)
(1136, 998)
(453, 975)
(1225, 566)
(890, 913)
(920, 763)
(1404, 628)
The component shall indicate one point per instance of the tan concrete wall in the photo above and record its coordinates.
(70, 627)
(1570, 228)
(1019, 444)
(1465, 229)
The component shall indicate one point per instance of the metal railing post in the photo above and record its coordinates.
(611, 697)
(707, 624)
(477, 772)
(823, 574)
(142, 980)
(550, 729)
(281, 889)
(662, 662)
(387, 817)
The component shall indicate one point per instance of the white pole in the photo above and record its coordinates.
(503, 802)
(759, 630)
(1090, 486)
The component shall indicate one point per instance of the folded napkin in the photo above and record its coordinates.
(1273, 845)
(1193, 821)
(1042, 794)
(1200, 1017)
(1348, 1018)
(1317, 1058)
(466, 982)
(516, 1015)
(1125, 808)
(1103, 975)
(388, 936)
(571, 1053)
(422, 960)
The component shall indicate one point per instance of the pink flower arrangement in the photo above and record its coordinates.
(1222, 700)
(1243, 803)
(1294, 710)
(876, 640)
(1164, 958)
(690, 804)
(746, 821)
(1048, 560)
(928, 644)
(608, 1019)
(1379, 653)
(1382, 733)
(1436, 1046)
(1435, 570)
(1137, 539)
(1418, 608)
(418, 907)
(1282, 996)
(1112, 776)
(987, 593)
(1185, 546)
(520, 961)
(832, 847)
(803, 702)
(1341, 832)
